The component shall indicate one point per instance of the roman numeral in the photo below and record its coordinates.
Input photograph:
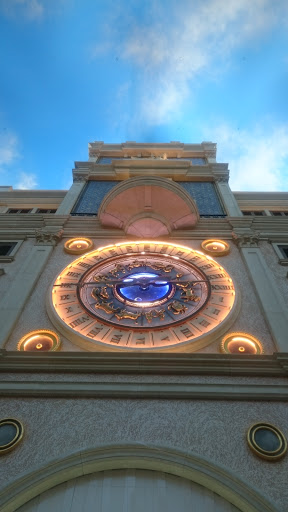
(116, 338)
(216, 276)
(79, 321)
(222, 287)
(187, 332)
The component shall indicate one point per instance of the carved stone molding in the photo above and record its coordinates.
(246, 239)
(44, 237)
(224, 178)
(79, 178)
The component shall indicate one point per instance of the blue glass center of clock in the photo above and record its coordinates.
(143, 287)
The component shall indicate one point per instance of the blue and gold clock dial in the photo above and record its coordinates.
(142, 295)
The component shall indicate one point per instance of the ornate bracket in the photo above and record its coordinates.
(246, 239)
(78, 178)
(44, 237)
(222, 178)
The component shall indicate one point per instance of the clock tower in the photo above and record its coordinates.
(144, 338)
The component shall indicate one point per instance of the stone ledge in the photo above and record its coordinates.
(130, 390)
(144, 363)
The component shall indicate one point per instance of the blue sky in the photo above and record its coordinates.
(75, 71)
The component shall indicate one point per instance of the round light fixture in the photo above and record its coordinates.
(241, 343)
(215, 247)
(39, 341)
(78, 245)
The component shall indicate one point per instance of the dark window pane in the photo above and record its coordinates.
(6, 248)
(284, 250)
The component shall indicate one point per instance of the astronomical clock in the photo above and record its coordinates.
(149, 296)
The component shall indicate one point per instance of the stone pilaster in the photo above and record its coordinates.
(72, 195)
(227, 196)
(268, 294)
(14, 300)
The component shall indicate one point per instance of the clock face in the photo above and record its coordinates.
(143, 295)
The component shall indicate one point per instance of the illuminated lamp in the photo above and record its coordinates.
(78, 245)
(215, 247)
(241, 343)
(11, 433)
(39, 341)
(267, 441)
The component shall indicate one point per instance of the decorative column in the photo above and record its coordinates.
(227, 196)
(72, 195)
(270, 299)
(14, 300)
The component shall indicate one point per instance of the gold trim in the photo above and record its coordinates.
(56, 342)
(226, 339)
(215, 252)
(260, 452)
(79, 250)
(17, 438)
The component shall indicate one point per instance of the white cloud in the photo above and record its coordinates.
(26, 181)
(180, 43)
(258, 159)
(8, 150)
(30, 9)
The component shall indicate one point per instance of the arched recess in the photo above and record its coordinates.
(148, 207)
(134, 456)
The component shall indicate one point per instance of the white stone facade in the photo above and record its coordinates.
(183, 414)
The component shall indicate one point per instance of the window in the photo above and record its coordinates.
(281, 250)
(46, 210)
(19, 210)
(284, 250)
(256, 213)
(8, 249)
(195, 160)
(279, 214)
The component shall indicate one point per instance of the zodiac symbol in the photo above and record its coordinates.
(161, 266)
(123, 314)
(177, 308)
(187, 292)
(154, 313)
(100, 278)
(106, 306)
(118, 269)
(100, 292)
(135, 264)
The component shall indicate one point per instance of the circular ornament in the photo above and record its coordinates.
(11, 433)
(78, 245)
(267, 441)
(215, 247)
(143, 296)
(39, 341)
(241, 343)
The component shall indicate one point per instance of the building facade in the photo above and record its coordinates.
(144, 337)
